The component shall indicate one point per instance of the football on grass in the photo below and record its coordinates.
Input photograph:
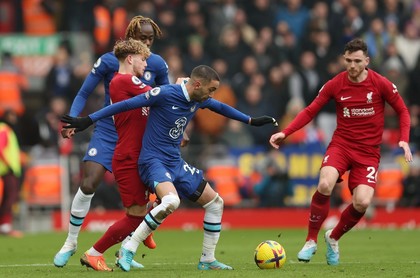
(269, 254)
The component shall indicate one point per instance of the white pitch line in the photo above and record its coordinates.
(157, 264)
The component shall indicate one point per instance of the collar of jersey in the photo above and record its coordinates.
(184, 90)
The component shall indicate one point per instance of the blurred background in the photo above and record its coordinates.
(272, 56)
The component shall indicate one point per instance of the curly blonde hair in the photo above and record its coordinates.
(123, 48)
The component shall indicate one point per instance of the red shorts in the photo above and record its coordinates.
(131, 188)
(362, 163)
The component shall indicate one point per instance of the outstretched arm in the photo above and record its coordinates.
(81, 123)
(232, 113)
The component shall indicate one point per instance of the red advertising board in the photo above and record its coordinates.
(188, 219)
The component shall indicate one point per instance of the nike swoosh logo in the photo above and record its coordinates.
(344, 98)
(174, 107)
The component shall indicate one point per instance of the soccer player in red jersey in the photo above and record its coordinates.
(130, 126)
(359, 94)
(98, 157)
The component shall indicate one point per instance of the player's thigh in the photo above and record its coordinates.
(364, 170)
(337, 157)
(132, 189)
(207, 195)
(154, 172)
(327, 179)
(93, 173)
(188, 181)
(165, 188)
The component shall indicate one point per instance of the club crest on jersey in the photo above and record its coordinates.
(369, 97)
(147, 75)
(155, 91)
(93, 152)
(135, 80)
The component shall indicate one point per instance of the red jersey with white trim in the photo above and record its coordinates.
(360, 109)
(130, 125)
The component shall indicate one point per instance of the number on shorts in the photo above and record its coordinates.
(189, 168)
(371, 176)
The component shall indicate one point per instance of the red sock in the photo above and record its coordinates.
(349, 218)
(320, 207)
(117, 232)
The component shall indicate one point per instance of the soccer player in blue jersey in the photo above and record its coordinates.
(161, 166)
(98, 158)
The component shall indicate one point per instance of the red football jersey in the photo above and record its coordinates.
(360, 109)
(130, 125)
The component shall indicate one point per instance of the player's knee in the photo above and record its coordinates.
(324, 187)
(88, 186)
(215, 205)
(361, 205)
(170, 203)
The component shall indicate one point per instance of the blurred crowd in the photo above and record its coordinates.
(272, 56)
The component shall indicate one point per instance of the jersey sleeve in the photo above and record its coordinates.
(96, 75)
(226, 110)
(146, 99)
(392, 96)
(135, 86)
(309, 113)
(162, 76)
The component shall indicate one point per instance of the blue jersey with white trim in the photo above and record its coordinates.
(170, 112)
(105, 67)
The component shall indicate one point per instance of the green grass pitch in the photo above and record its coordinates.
(364, 253)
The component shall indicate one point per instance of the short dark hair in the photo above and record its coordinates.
(205, 73)
(356, 45)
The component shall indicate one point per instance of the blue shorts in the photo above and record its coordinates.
(101, 148)
(186, 178)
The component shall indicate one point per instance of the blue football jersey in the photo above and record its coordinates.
(155, 74)
(105, 136)
(171, 110)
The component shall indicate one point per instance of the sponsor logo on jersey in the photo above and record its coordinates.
(145, 111)
(93, 152)
(193, 108)
(358, 112)
(345, 98)
(174, 107)
(168, 175)
(326, 159)
(135, 80)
